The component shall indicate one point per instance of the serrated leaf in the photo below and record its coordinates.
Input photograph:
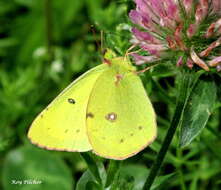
(198, 110)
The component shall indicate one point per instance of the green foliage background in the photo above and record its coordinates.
(39, 57)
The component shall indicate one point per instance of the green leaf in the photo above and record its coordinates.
(218, 84)
(198, 110)
(122, 183)
(28, 164)
(161, 180)
(92, 166)
(130, 177)
(163, 70)
(88, 182)
(28, 3)
(83, 181)
(112, 171)
(91, 185)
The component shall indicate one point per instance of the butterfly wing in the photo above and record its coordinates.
(62, 125)
(123, 121)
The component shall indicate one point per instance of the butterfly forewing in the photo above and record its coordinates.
(62, 125)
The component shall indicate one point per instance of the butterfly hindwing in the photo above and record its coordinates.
(122, 118)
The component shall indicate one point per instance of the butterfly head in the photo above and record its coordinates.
(110, 58)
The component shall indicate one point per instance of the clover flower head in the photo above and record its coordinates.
(187, 30)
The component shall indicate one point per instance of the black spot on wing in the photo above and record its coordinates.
(91, 115)
(78, 130)
(140, 127)
(71, 101)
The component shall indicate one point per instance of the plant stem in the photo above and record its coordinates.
(92, 166)
(181, 100)
(113, 170)
(49, 29)
(179, 168)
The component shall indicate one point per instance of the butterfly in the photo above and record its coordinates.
(106, 110)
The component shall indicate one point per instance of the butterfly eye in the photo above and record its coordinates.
(71, 101)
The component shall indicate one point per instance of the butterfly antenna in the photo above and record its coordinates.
(99, 45)
(102, 43)
(145, 69)
(129, 49)
(94, 34)
(128, 53)
(137, 51)
(103, 51)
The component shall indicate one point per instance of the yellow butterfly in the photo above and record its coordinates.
(105, 110)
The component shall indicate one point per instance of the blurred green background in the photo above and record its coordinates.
(46, 44)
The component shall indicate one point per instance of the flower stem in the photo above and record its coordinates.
(181, 100)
